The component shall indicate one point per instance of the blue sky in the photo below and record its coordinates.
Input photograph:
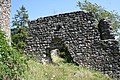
(38, 8)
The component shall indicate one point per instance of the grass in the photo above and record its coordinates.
(63, 71)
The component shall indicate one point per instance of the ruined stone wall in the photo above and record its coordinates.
(82, 38)
(5, 16)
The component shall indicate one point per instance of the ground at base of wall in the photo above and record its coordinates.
(62, 71)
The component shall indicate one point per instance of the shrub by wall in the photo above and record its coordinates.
(12, 63)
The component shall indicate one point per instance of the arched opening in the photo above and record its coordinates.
(57, 28)
(58, 44)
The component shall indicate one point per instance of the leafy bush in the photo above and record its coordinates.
(12, 63)
(18, 37)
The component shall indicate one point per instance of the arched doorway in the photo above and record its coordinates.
(58, 43)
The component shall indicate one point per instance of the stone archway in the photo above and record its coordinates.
(80, 36)
(76, 29)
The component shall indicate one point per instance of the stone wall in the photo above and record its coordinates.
(5, 16)
(78, 32)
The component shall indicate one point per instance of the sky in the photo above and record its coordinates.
(40, 8)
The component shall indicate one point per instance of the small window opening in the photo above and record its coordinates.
(57, 28)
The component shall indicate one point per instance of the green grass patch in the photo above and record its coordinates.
(62, 71)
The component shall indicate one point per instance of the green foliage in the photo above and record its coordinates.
(101, 13)
(12, 63)
(18, 37)
(19, 32)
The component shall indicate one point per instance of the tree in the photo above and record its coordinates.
(19, 31)
(21, 18)
(101, 13)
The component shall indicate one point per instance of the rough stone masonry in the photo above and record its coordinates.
(5, 16)
(90, 46)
